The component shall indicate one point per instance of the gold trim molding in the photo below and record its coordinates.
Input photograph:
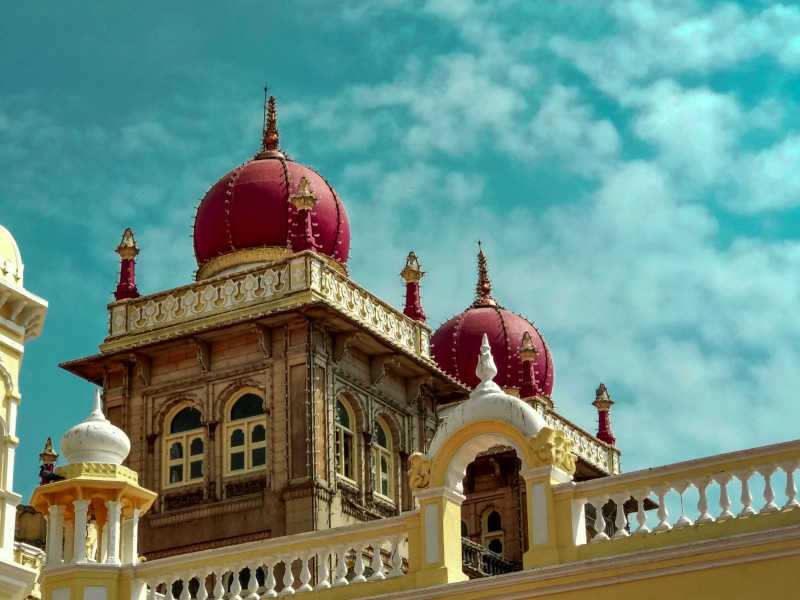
(255, 256)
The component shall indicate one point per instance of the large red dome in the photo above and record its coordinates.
(456, 344)
(249, 208)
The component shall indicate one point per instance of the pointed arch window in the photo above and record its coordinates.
(246, 435)
(345, 440)
(382, 463)
(493, 536)
(185, 447)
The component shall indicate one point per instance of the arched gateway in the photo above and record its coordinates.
(488, 418)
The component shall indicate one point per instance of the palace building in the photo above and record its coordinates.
(273, 428)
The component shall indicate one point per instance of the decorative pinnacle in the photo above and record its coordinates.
(527, 351)
(484, 288)
(48, 456)
(603, 401)
(269, 137)
(128, 249)
(304, 198)
(97, 411)
(486, 371)
(412, 272)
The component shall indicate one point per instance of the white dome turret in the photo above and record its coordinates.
(95, 440)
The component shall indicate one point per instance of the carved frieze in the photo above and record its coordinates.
(552, 447)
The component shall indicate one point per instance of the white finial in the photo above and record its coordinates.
(98, 407)
(486, 370)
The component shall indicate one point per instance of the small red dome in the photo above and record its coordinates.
(250, 207)
(456, 344)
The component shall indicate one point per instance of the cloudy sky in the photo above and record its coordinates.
(631, 166)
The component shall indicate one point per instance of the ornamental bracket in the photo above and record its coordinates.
(380, 365)
(415, 388)
(264, 339)
(203, 353)
(342, 343)
(142, 363)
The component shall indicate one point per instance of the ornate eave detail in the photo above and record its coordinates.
(297, 280)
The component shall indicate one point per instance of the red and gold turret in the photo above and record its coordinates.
(412, 273)
(603, 404)
(127, 250)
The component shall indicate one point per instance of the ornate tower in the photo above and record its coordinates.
(273, 395)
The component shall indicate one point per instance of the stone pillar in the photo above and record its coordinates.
(55, 535)
(440, 536)
(69, 541)
(79, 540)
(541, 530)
(130, 538)
(111, 532)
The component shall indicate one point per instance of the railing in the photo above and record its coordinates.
(482, 562)
(676, 489)
(352, 555)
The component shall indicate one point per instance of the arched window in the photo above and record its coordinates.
(493, 536)
(345, 436)
(184, 447)
(464, 529)
(382, 460)
(246, 435)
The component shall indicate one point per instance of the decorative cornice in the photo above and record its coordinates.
(87, 470)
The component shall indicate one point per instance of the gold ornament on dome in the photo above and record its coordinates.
(553, 448)
(527, 351)
(419, 475)
(304, 198)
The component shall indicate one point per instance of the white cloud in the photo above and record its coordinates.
(765, 180)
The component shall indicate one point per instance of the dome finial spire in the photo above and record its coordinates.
(269, 135)
(484, 287)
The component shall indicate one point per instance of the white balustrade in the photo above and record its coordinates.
(254, 579)
(705, 482)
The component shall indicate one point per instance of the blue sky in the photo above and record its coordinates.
(631, 166)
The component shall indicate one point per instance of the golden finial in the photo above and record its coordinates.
(412, 272)
(484, 288)
(602, 401)
(527, 351)
(303, 198)
(127, 247)
(48, 455)
(269, 137)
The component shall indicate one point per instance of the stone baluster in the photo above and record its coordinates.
(358, 568)
(641, 516)
(219, 586)
(252, 582)
(767, 471)
(185, 593)
(681, 488)
(723, 479)
(791, 489)
(288, 576)
(702, 483)
(396, 560)
(202, 591)
(269, 582)
(323, 573)
(663, 515)
(305, 574)
(621, 521)
(236, 585)
(599, 521)
(340, 573)
(377, 562)
(746, 498)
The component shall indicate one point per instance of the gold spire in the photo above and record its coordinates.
(269, 135)
(484, 287)
(602, 401)
(304, 198)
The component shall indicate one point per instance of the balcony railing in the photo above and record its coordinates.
(346, 556)
(481, 562)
